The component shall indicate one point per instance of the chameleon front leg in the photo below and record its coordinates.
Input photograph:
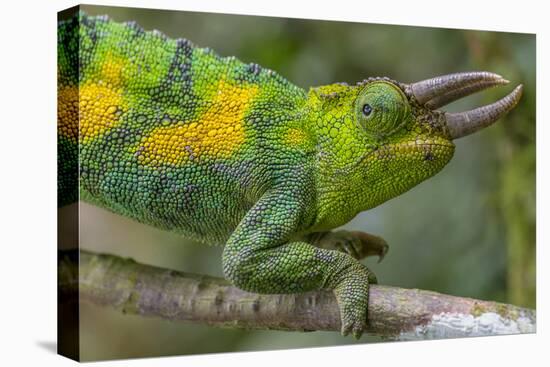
(259, 257)
(355, 243)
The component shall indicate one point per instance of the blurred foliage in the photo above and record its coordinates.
(515, 194)
(469, 231)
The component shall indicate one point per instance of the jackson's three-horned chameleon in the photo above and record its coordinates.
(175, 136)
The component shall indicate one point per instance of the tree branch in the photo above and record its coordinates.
(398, 313)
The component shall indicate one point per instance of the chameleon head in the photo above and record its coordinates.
(391, 136)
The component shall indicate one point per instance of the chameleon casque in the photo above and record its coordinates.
(229, 153)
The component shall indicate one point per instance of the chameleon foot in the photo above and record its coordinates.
(355, 243)
(352, 296)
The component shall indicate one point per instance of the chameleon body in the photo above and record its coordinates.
(230, 153)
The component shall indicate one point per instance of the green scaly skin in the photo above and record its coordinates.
(269, 171)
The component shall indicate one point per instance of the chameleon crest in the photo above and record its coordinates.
(229, 153)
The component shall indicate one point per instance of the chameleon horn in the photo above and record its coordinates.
(447, 88)
(456, 94)
(465, 123)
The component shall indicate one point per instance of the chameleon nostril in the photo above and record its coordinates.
(428, 156)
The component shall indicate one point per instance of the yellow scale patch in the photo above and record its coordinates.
(94, 104)
(67, 113)
(98, 110)
(296, 137)
(218, 132)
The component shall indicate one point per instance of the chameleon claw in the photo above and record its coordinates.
(355, 329)
(372, 278)
(355, 243)
(357, 333)
(383, 252)
(345, 330)
(370, 245)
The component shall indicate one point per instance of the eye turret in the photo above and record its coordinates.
(381, 109)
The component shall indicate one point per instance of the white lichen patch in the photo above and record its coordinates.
(458, 325)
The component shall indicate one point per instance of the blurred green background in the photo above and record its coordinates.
(469, 231)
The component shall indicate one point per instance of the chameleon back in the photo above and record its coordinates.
(167, 133)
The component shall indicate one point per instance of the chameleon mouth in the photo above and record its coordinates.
(442, 90)
(431, 151)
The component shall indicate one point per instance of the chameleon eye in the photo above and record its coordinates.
(367, 109)
(382, 109)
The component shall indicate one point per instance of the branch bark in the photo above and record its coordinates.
(405, 314)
